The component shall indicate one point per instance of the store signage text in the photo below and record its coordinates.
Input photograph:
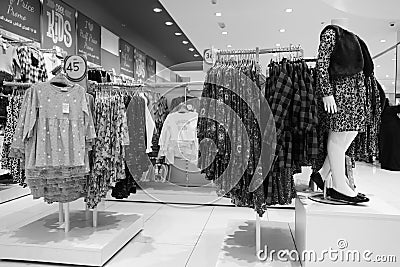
(24, 4)
(59, 29)
(21, 17)
(89, 36)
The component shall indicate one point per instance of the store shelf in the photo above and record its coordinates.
(44, 241)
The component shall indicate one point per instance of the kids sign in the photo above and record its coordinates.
(21, 17)
(59, 26)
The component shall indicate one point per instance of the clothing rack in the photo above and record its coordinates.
(18, 84)
(257, 52)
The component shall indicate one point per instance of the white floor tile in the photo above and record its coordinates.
(207, 249)
(175, 225)
(151, 255)
(147, 209)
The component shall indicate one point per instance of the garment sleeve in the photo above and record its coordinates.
(165, 136)
(90, 133)
(25, 125)
(21, 52)
(326, 46)
(150, 126)
(43, 69)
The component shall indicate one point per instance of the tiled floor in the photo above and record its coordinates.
(185, 235)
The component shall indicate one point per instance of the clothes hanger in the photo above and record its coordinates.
(60, 80)
(183, 108)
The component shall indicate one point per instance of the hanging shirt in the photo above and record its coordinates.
(33, 66)
(179, 137)
(51, 62)
(9, 61)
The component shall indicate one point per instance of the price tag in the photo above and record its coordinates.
(65, 107)
(75, 68)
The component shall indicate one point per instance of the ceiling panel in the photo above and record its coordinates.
(253, 23)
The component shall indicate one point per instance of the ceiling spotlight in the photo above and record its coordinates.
(383, 41)
(191, 49)
(288, 10)
(157, 10)
(282, 30)
(229, 46)
(195, 55)
(169, 23)
(185, 42)
(178, 33)
(278, 45)
(387, 76)
(393, 83)
(378, 66)
(224, 33)
(218, 14)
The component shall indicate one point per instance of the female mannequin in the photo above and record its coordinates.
(342, 90)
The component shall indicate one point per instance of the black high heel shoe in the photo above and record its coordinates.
(317, 179)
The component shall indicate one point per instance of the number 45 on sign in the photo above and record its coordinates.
(75, 68)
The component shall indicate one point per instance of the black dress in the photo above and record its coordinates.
(389, 139)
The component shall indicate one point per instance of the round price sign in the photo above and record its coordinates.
(208, 56)
(75, 68)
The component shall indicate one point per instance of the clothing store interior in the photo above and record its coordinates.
(199, 133)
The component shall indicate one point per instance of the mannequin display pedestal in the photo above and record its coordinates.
(44, 241)
(348, 231)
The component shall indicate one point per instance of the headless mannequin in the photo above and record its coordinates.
(338, 143)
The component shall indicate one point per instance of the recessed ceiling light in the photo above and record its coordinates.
(229, 46)
(169, 23)
(195, 55)
(383, 41)
(393, 59)
(282, 30)
(218, 14)
(224, 33)
(387, 76)
(378, 66)
(185, 42)
(178, 33)
(288, 10)
(393, 83)
(191, 49)
(157, 10)
(278, 44)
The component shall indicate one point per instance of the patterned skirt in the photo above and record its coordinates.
(350, 97)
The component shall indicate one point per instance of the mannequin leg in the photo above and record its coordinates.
(338, 143)
(326, 169)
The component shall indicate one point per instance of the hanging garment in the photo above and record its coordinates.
(33, 66)
(160, 110)
(7, 162)
(137, 161)
(109, 148)
(280, 123)
(389, 139)
(179, 137)
(54, 129)
(9, 62)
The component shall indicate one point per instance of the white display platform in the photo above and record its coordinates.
(239, 246)
(44, 241)
(372, 227)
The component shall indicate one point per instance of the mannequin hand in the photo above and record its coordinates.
(330, 104)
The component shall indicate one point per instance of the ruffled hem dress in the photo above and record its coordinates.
(53, 136)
